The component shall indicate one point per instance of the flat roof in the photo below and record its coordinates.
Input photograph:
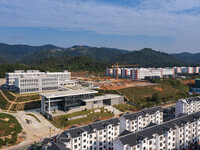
(106, 96)
(67, 93)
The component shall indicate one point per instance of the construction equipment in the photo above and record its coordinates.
(117, 66)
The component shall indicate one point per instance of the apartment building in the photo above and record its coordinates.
(142, 73)
(187, 106)
(177, 134)
(126, 72)
(168, 72)
(94, 136)
(109, 72)
(187, 70)
(137, 121)
(63, 77)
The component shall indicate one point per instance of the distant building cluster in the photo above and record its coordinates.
(142, 73)
(36, 81)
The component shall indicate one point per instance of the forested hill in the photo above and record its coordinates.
(53, 58)
(98, 54)
(188, 57)
(149, 58)
(14, 53)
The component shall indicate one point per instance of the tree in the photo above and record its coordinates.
(156, 98)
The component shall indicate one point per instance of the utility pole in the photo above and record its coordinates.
(49, 131)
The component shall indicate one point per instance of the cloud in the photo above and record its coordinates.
(170, 18)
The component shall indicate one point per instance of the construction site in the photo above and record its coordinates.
(109, 83)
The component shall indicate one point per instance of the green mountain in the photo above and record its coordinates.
(98, 54)
(53, 58)
(149, 58)
(188, 57)
(14, 53)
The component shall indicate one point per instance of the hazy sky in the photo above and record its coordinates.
(165, 25)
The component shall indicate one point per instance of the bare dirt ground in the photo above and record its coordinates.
(158, 89)
(188, 82)
(2, 81)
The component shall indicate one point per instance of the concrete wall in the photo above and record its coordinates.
(115, 101)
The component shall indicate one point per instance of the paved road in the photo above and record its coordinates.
(36, 131)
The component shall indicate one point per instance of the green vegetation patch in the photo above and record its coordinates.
(144, 95)
(62, 121)
(9, 96)
(9, 129)
(4, 104)
(124, 107)
(26, 106)
(27, 98)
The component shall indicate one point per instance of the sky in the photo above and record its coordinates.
(171, 26)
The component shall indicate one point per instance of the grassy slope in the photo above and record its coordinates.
(4, 104)
(9, 126)
(141, 93)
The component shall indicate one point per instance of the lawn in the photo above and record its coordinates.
(123, 107)
(9, 129)
(62, 121)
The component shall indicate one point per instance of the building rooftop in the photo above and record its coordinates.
(143, 112)
(106, 96)
(67, 93)
(189, 100)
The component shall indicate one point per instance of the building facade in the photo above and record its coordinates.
(137, 121)
(36, 81)
(63, 77)
(36, 84)
(177, 134)
(187, 106)
(95, 136)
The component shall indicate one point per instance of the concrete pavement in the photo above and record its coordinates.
(36, 131)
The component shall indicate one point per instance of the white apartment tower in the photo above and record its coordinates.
(187, 106)
(137, 121)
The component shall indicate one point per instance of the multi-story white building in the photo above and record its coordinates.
(141, 73)
(95, 136)
(176, 134)
(137, 121)
(126, 72)
(63, 77)
(36, 84)
(36, 81)
(109, 72)
(187, 106)
(167, 72)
